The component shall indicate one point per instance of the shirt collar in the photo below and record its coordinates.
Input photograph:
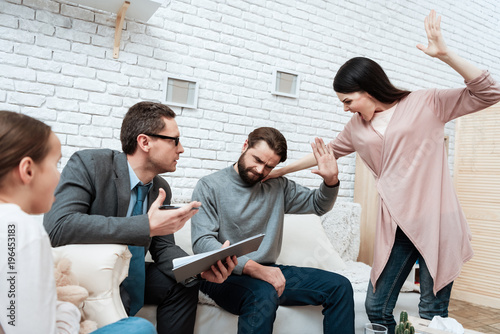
(134, 180)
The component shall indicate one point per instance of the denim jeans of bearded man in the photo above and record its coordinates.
(256, 301)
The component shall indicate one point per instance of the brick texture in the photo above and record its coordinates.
(56, 64)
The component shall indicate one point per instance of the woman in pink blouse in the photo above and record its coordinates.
(399, 135)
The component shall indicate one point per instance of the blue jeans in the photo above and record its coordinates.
(256, 301)
(128, 326)
(380, 304)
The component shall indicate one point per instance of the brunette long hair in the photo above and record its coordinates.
(361, 74)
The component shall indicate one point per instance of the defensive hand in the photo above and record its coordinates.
(327, 164)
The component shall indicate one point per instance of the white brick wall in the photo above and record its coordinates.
(56, 64)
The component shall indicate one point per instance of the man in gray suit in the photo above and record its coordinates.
(98, 200)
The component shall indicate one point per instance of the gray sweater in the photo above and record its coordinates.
(232, 210)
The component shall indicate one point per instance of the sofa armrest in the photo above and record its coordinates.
(100, 268)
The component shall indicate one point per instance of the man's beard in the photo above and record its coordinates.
(245, 173)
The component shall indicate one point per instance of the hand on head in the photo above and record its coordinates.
(436, 46)
(164, 222)
(327, 164)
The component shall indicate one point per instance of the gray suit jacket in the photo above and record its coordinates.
(91, 203)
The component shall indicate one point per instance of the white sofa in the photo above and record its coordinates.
(306, 243)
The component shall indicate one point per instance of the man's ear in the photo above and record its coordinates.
(26, 170)
(143, 143)
(245, 146)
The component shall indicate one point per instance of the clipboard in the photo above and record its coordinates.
(189, 266)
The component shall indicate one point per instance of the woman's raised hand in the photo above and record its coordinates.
(436, 46)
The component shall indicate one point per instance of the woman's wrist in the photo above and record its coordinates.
(282, 171)
(447, 57)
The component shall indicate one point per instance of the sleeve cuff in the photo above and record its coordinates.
(242, 261)
(334, 186)
(192, 281)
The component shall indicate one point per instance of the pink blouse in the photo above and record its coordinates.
(410, 166)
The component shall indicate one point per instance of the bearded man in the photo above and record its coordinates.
(236, 205)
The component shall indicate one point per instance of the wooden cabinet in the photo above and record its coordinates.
(366, 195)
(477, 180)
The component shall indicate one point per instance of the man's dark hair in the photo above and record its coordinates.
(272, 137)
(143, 117)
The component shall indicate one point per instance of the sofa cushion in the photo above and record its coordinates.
(305, 244)
(183, 238)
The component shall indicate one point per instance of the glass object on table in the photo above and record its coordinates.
(375, 329)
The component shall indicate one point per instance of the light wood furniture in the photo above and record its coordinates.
(477, 180)
(365, 193)
(120, 17)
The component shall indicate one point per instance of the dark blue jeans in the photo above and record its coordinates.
(380, 304)
(256, 301)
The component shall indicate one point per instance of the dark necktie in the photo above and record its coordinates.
(136, 280)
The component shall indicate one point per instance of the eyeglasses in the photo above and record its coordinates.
(175, 139)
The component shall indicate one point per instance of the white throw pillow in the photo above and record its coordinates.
(305, 244)
(341, 226)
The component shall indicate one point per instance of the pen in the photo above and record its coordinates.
(172, 207)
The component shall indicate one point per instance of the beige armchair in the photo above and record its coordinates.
(100, 269)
